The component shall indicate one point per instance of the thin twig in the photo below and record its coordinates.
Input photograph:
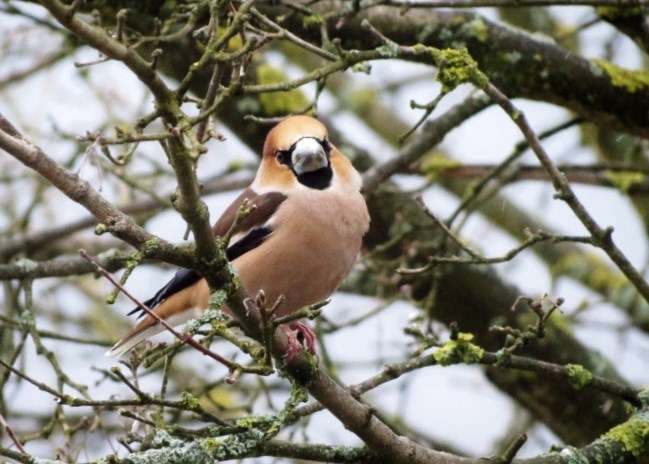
(7, 428)
(533, 239)
(293, 38)
(513, 449)
(431, 134)
(449, 233)
(502, 168)
(242, 213)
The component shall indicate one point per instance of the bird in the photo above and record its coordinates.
(299, 242)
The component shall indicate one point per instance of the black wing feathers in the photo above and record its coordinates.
(250, 241)
(253, 226)
(182, 279)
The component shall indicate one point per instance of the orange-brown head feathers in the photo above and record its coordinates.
(297, 152)
(290, 130)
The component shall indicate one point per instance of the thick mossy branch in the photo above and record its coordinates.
(517, 62)
(520, 64)
(633, 434)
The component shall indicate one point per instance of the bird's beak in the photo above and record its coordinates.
(308, 156)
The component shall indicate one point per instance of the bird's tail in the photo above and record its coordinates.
(148, 327)
(129, 342)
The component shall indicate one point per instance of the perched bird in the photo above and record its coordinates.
(300, 240)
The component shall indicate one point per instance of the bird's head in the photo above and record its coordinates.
(297, 152)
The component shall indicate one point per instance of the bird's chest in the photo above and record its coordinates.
(324, 222)
(312, 248)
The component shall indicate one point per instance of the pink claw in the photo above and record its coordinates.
(300, 337)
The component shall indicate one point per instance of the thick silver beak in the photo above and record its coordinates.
(308, 156)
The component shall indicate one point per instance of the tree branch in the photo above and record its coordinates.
(80, 191)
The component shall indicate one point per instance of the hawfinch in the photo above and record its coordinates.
(300, 240)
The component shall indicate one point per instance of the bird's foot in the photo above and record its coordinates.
(300, 337)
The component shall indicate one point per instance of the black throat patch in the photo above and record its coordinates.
(320, 179)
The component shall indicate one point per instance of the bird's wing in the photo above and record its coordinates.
(183, 278)
(251, 233)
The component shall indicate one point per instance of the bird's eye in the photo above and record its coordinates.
(283, 156)
(326, 144)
